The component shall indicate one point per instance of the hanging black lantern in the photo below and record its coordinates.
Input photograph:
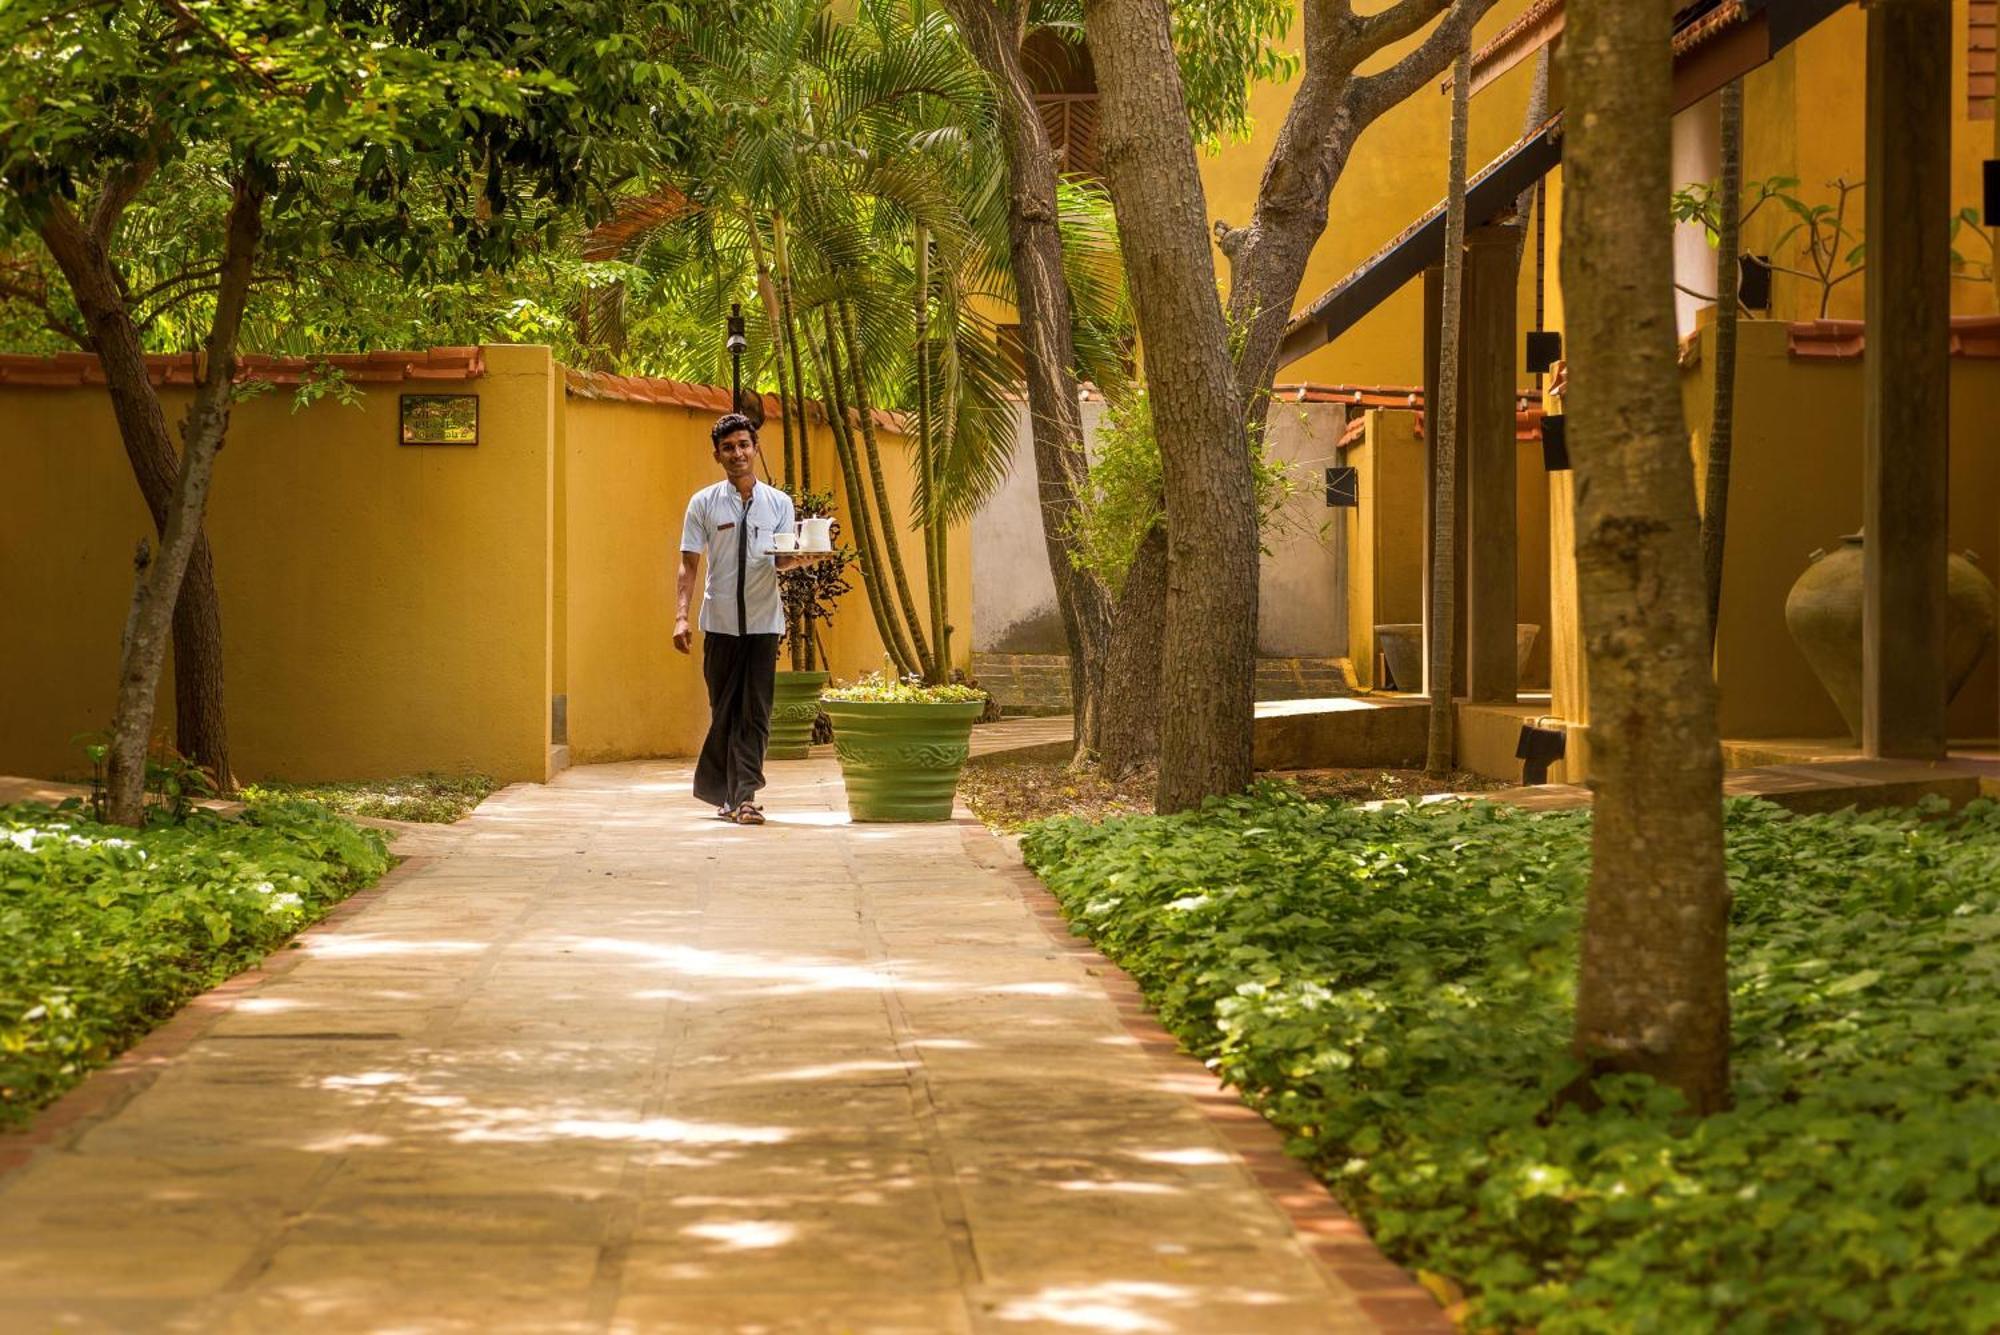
(1545, 349)
(1555, 443)
(1753, 283)
(1992, 192)
(1343, 488)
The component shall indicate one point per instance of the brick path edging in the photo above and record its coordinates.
(104, 1091)
(1385, 1292)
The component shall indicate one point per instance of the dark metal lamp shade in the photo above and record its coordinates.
(1343, 488)
(1753, 283)
(1555, 443)
(1545, 349)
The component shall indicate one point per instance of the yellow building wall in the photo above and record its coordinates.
(1794, 487)
(1385, 541)
(1385, 545)
(1804, 117)
(385, 608)
(1397, 172)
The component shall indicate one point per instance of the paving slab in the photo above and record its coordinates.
(598, 1062)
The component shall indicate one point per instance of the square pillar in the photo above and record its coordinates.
(1907, 379)
(1487, 454)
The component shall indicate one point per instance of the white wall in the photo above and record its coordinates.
(1013, 594)
(1697, 156)
(1301, 586)
(1302, 604)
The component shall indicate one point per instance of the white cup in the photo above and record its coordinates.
(784, 540)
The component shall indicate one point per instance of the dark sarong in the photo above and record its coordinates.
(739, 670)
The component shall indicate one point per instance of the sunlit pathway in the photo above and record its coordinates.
(603, 1063)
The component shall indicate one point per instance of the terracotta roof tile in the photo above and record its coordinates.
(70, 369)
(1976, 336)
(659, 392)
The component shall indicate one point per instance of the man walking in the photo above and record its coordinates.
(742, 617)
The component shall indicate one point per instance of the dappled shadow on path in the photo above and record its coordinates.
(611, 1065)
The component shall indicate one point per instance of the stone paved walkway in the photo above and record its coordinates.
(598, 1062)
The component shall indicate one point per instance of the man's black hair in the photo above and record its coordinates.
(728, 424)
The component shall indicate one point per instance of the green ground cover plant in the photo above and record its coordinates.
(1393, 988)
(429, 798)
(106, 931)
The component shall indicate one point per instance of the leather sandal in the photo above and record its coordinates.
(749, 814)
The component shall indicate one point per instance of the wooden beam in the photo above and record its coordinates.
(1907, 379)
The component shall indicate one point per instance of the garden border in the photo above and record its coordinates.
(105, 1091)
(1387, 1295)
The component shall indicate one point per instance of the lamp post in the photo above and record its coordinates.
(737, 344)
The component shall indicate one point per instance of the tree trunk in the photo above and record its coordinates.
(201, 730)
(1131, 720)
(790, 406)
(148, 626)
(767, 295)
(828, 368)
(1722, 413)
(1652, 991)
(1443, 434)
(1330, 109)
(781, 254)
(1208, 666)
(927, 458)
(885, 516)
(994, 33)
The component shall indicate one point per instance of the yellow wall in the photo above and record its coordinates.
(1397, 172)
(1794, 487)
(631, 468)
(389, 609)
(1385, 545)
(1803, 117)
(385, 608)
(1385, 552)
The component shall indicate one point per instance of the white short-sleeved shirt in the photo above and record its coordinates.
(716, 520)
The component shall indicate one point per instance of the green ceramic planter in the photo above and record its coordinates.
(794, 706)
(900, 762)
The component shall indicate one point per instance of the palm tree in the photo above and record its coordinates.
(848, 179)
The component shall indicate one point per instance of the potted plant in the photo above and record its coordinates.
(809, 593)
(901, 745)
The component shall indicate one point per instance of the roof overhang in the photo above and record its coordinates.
(1726, 32)
(1492, 194)
(1714, 42)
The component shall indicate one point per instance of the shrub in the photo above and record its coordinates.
(880, 689)
(1394, 989)
(105, 931)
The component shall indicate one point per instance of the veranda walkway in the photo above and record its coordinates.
(596, 1061)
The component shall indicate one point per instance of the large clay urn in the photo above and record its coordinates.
(1823, 613)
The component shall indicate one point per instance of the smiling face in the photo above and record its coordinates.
(737, 453)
